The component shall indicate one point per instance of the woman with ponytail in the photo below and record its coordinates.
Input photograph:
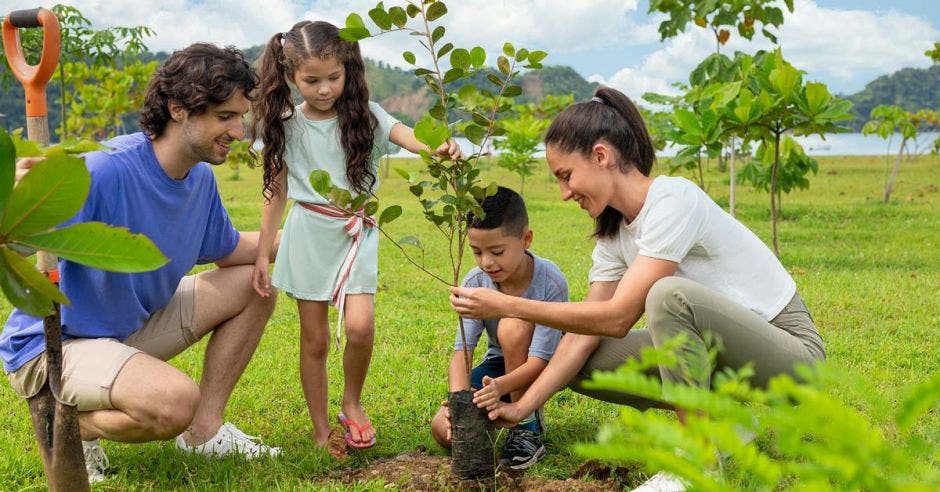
(326, 254)
(663, 248)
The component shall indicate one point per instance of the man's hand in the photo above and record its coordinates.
(24, 165)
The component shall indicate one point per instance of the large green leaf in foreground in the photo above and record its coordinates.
(99, 245)
(50, 193)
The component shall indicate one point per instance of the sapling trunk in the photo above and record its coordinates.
(733, 180)
(773, 192)
(889, 186)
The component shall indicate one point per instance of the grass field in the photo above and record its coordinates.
(869, 272)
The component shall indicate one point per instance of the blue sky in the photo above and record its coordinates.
(844, 43)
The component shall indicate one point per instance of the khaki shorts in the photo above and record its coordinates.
(90, 365)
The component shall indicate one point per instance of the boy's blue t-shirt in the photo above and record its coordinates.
(184, 218)
(548, 284)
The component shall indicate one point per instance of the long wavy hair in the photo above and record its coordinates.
(197, 76)
(282, 56)
(613, 117)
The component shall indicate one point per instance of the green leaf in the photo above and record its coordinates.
(474, 134)
(389, 214)
(358, 201)
(460, 58)
(409, 57)
(437, 34)
(7, 168)
(509, 50)
(411, 241)
(416, 190)
(355, 28)
(33, 279)
(25, 148)
(522, 54)
(436, 10)
(688, 122)
(817, 95)
(381, 18)
(371, 208)
(478, 57)
(398, 16)
(513, 91)
(29, 300)
(404, 174)
(321, 182)
(444, 50)
(784, 79)
(494, 79)
(413, 10)
(503, 63)
(99, 245)
(49, 194)
(537, 56)
(452, 75)
(431, 132)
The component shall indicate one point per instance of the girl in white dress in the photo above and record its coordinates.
(327, 255)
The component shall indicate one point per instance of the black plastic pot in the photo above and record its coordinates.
(473, 438)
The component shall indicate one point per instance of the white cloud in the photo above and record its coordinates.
(845, 48)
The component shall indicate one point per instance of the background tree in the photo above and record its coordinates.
(525, 130)
(720, 16)
(110, 47)
(885, 122)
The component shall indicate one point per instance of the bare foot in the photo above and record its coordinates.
(357, 414)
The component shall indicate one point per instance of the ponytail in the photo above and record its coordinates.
(273, 107)
(611, 116)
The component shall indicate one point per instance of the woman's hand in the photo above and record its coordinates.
(479, 302)
(260, 279)
(489, 395)
(450, 148)
(507, 415)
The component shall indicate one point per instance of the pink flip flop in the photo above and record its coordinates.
(348, 423)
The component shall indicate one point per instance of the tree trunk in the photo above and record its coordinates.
(773, 193)
(701, 176)
(56, 424)
(733, 180)
(473, 438)
(889, 186)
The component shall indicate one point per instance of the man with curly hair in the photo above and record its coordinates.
(121, 328)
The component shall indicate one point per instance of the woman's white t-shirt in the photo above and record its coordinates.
(680, 223)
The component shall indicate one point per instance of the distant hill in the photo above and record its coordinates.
(911, 88)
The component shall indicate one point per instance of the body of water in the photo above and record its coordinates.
(834, 144)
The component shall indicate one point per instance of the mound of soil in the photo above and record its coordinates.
(418, 471)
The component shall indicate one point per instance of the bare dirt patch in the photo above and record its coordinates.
(419, 471)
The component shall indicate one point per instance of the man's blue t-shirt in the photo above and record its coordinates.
(184, 218)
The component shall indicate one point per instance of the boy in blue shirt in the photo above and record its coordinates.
(517, 350)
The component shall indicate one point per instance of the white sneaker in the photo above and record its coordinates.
(662, 482)
(229, 440)
(96, 462)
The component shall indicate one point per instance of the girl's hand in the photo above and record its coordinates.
(489, 395)
(478, 302)
(24, 165)
(259, 277)
(450, 148)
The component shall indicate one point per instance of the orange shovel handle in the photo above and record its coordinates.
(33, 77)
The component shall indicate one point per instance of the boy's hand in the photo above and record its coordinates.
(478, 302)
(445, 411)
(489, 395)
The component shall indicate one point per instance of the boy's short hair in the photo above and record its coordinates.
(504, 209)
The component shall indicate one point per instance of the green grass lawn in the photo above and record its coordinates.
(868, 271)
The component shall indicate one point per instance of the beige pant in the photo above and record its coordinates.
(90, 365)
(710, 321)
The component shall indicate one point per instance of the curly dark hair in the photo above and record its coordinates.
(282, 55)
(197, 76)
(613, 117)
